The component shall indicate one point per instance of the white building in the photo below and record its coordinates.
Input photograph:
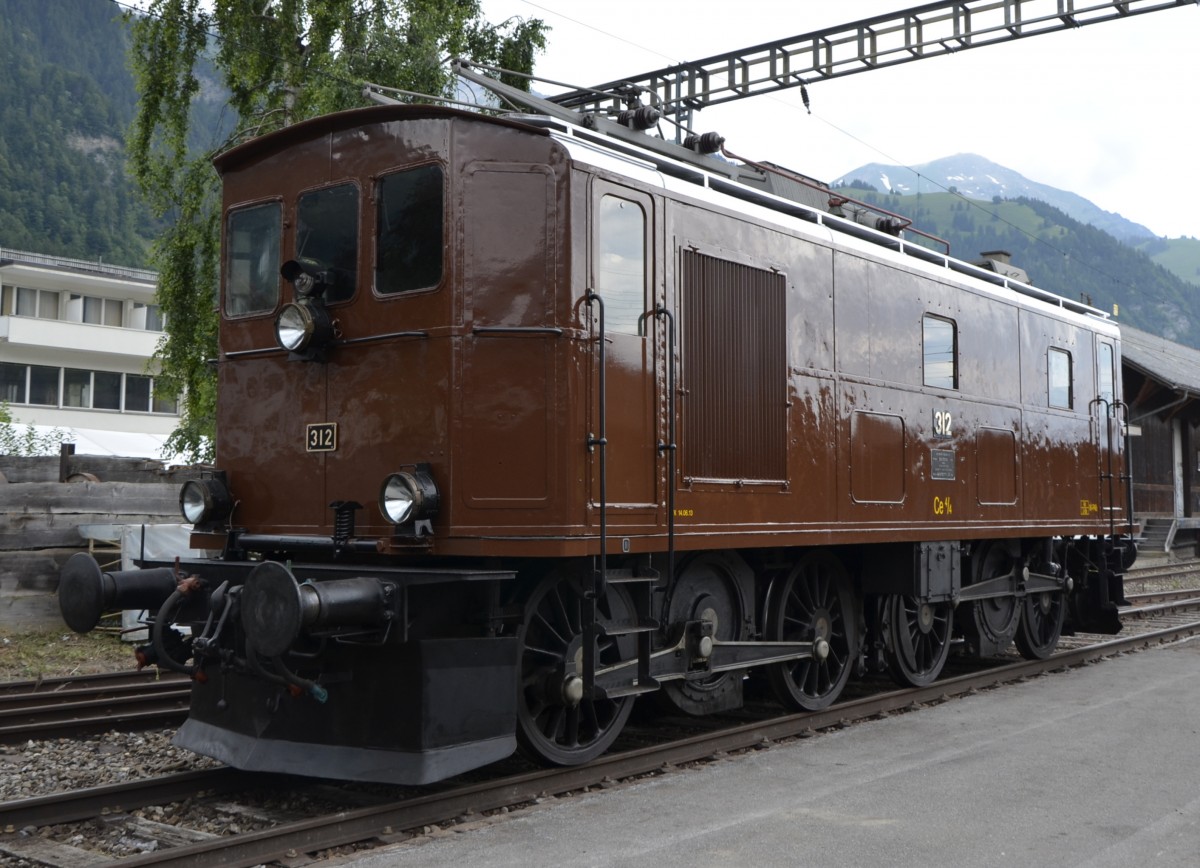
(76, 339)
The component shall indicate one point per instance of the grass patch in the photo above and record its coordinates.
(55, 653)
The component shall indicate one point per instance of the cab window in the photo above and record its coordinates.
(252, 259)
(327, 237)
(409, 239)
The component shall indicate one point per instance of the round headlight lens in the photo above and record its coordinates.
(294, 327)
(397, 498)
(192, 502)
(204, 500)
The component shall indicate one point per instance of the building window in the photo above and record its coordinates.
(621, 264)
(106, 390)
(94, 311)
(43, 385)
(1058, 370)
(76, 388)
(22, 301)
(940, 341)
(148, 317)
(163, 402)
(12, 382)
(137, 394)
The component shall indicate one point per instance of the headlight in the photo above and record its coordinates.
(294, 327)
(409, 496)
(203, 501)
(304, 328)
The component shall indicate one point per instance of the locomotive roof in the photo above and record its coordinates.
(718, 182)
(687, 173)
(349, 119)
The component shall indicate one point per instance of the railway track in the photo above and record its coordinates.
(377, 818)
(61, 707)
(1178, 570)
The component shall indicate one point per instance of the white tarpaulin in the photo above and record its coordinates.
(95, 441)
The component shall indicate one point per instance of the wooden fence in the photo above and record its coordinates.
(41, 518)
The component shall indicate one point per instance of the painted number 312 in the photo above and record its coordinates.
(942, 423)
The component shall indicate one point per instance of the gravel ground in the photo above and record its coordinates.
(37, 768)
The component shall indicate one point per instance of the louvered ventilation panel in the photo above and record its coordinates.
(734, 371)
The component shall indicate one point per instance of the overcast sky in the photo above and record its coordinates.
(1108, 111)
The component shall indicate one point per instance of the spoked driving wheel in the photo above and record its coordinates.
(814, 604)
(706, 591)
(916, 638)
(990, 624)
(1042, 616)
(556, 723)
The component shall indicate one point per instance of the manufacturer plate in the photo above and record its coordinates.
(321, 437)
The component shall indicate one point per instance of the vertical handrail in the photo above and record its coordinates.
(661, 312)
(1110, 474)
(599, 576)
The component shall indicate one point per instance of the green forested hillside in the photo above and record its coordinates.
(66, 100)
(1179, 255)
(1060, 254)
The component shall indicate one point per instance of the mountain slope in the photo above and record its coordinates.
(979, 178)
(1179, 255)
(66, 99)
(1060, 254)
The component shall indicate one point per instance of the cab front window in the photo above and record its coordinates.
(408, 220)
(327, 238)
(252, 259)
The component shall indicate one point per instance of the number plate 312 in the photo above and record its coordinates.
(321, 437)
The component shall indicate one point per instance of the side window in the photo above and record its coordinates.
(1105, 375)
(408, 223)
(252, 259)
(327, 237)
(1058, 373)
(940, 342)
(621, 263)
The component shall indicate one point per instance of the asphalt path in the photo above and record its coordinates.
(1098, 767)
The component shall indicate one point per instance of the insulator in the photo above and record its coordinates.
(890, 225)
(642, 118)
(708, 143)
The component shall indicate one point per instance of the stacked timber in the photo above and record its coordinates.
(43, 521)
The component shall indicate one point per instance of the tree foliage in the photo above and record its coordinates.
(26, 440)
(281, 61)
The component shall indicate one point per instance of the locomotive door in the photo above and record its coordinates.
(623, 275)
(1108, 415)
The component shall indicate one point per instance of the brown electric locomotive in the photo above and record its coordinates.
(520, 419)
